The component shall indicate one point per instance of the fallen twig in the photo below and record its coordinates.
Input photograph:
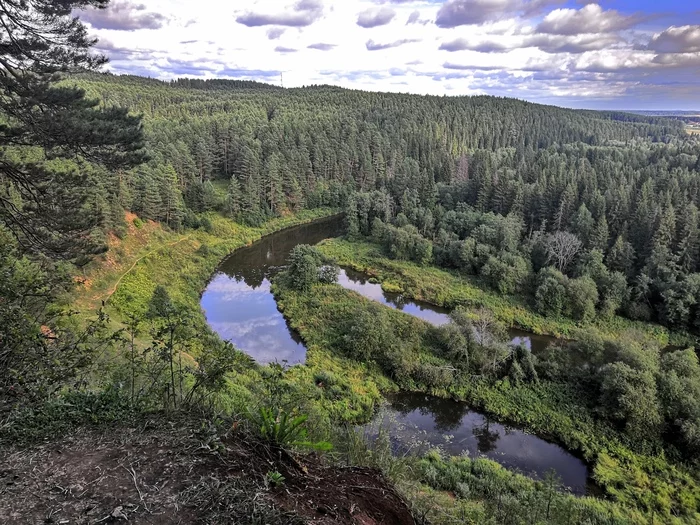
(132, 472)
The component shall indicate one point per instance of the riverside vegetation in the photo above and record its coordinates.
(575, 392)
(119, 195)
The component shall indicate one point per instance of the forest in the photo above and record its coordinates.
(119, 195)
(495, 197)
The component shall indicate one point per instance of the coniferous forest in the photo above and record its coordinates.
(494, 185)
(120, 195)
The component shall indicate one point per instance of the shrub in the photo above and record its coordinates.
(582, 298)
(282, 428)
(550, 296)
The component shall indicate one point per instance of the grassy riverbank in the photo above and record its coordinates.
(450, 289)
(149, 255)
(635, 474)
(334, 387)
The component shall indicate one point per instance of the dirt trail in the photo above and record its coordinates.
(116, 285)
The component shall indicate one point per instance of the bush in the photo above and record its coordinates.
(282, 428)
(505, 273)
(432, 376)
(307, 268)
(582, 298)
(551, 296)
(368, 335)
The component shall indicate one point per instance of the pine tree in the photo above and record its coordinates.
(46, 41)
(687, 250)
(274, 190)
(151, 204)
(599, 235)
(621, 257)
(582, 224)
(234, 197)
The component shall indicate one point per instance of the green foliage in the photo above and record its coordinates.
(629, 396)
(512, 498)
(506, 273)
(679, 394)
(557, 401)
(279, 421)
(42, 346)
(280, 428)
(51, 198)
(550, 296)
(478, 200)
(66, 413)
(582, 297)
(274, 478)
(369, 335)
(306, 267)
(403, 243)
(451, 288)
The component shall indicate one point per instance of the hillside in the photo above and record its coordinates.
(172, 470)
(110, 334)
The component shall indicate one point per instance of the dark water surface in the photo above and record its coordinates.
(436, 315)
(239, 307)
(238, 303)
(421, 421)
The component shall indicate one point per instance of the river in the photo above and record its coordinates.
(239, 306)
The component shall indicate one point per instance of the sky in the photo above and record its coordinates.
(611, 54)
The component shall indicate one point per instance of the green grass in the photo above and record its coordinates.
(484, 489)
(334, 388)
(634, 474)
(450, 289)
(183, 263)
(146, 257)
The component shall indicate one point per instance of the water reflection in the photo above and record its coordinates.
(451, 425)
(360, 283)
(486, 438)
(436, 315)
(239, 306)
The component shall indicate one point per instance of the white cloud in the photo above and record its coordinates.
(685, 39)
(589, 19)
(530, 49)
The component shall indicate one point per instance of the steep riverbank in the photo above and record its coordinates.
(148, 255)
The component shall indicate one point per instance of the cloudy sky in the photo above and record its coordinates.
(626, 54)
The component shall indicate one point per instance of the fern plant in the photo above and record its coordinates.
(283, 429)
(274, 479)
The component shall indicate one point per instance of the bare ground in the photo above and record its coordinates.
(165, 471)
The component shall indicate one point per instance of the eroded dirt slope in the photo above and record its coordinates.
(174, 471)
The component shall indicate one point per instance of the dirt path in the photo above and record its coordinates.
(116, 285)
